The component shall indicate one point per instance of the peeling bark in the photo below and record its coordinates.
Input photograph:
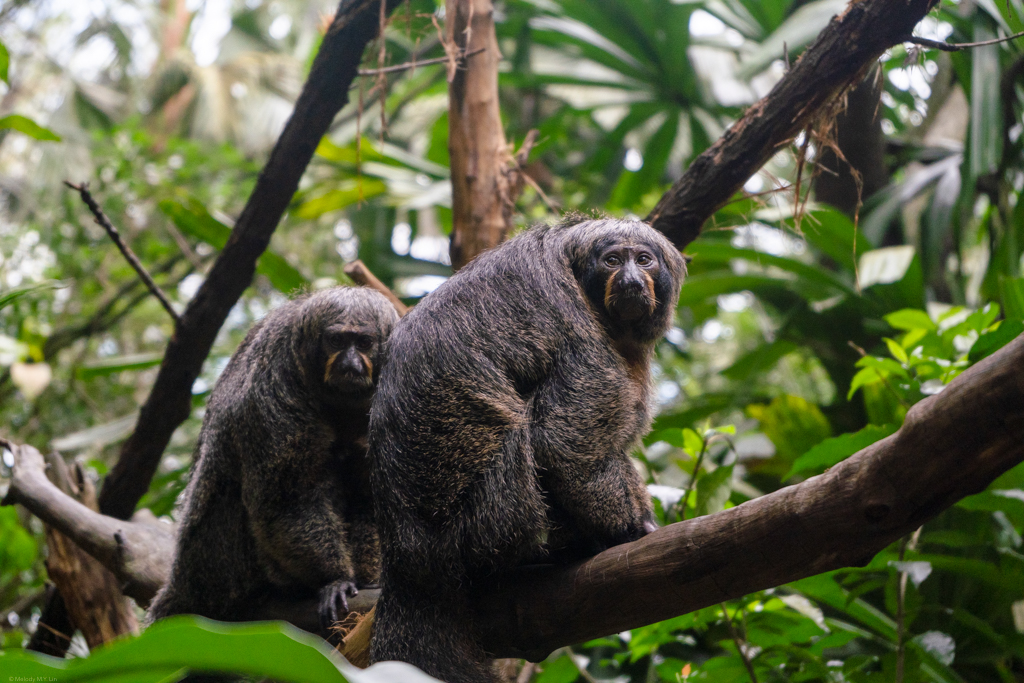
(479, 155)
(91, 593)
(837, 59)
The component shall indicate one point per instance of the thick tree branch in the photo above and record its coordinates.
(169, 404)
(837, 59)
(952, 445)
(138, 552)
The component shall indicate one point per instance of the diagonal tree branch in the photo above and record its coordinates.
(169, 404)
(837, 59)
(951, 445)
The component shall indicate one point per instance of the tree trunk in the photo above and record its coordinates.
(480, 158)
(90, 593)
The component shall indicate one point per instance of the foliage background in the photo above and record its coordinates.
(799, 339)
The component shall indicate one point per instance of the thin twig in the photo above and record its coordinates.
(414, 64)
(586, 675)
(739, 643)
(362, 276)
(526, 673)
(685, 501)
(182, 243)
(909, 542)
(957, 47)
(115, 236)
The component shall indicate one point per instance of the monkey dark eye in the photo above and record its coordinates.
(335, 340)
(364, 343)
(644, 260)
(612, 261)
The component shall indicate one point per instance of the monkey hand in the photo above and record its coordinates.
(333, 601)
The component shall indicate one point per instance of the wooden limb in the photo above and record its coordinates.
(170, 401)
(480, 158)
(951, 445)
(837, 59)
(138, 553)
(90, 592)
(362, 276)
(356, 644)
(129, 255)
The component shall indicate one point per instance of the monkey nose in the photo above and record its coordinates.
(353, 366)
(632, 285)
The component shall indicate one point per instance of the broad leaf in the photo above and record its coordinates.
(196, 221)
(28, 127)
(168, 648)
(833, 451)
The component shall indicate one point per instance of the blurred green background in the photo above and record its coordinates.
(805, 331)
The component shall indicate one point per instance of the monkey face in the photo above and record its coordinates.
(628, 282)
(338, 339)
(632, 284)
(349, 351)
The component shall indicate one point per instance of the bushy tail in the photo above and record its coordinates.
(431, 632)
(167, 602)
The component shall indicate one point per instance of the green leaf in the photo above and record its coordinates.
(28, 127)
(761, 359)
(990, 342)
(795, 33)
(986, 116)
(814, 279)
(1011, 291)
(884, 366)
(632, 185)
(794, 425)
(11, 295)
(692, 443)
(351, 192)
(910, 319)
(698, 408)
(108, 366)
(18, 549)
(935, 230)
(863, 377)
(5, 62)
(196, 221)
(713, 490)
(896, 350)
(884, 266)
(832, 232)
(98, 435)
(266, 650)
(700, 288)
(832, 451)
(561, 670)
